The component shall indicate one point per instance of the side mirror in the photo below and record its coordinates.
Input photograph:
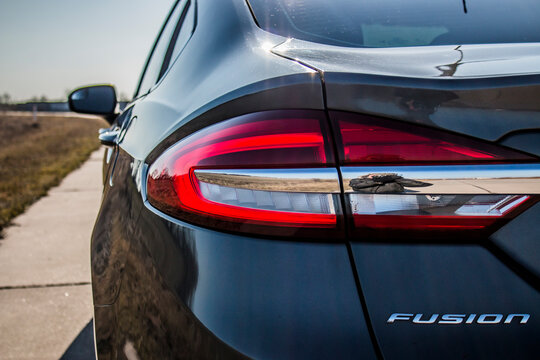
(97, 99)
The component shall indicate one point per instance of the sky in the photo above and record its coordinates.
(49, 47)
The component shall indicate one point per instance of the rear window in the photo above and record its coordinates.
(396, 23)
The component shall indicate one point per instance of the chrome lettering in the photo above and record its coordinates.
(418, 319)
(524, 318)
(453, 319)
(470, 319)
(483, 319)
(398, 316)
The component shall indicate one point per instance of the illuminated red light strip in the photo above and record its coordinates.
(188, 159)
(262, 135)
(267, 142)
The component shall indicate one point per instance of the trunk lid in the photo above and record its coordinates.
(486, 91)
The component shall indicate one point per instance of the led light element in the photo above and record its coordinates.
(233, 175)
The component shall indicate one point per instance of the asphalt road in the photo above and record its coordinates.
(45, 292)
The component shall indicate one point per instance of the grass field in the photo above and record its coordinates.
(36, 156)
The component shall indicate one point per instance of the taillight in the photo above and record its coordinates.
(271, 173)
(403, 180)
(275, 173)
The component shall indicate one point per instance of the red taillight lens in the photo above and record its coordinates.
(245, 201)
(368, 140)
(274, 173)
(389, 198)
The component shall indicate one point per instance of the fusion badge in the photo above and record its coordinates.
(455, 319)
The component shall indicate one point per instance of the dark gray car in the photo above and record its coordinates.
(325, 179)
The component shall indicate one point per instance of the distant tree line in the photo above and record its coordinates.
(5, 102)
(39, 103)
(43, 103)
(5, 98)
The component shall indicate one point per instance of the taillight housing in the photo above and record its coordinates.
(403, 180)
(258, 173)
(276, 173)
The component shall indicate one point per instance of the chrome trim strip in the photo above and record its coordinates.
(143, 180)
(324, 180)
(505, 179)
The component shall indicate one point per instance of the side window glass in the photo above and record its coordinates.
(155, 62)
(181, 36)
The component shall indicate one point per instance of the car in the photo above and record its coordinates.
(325, 180)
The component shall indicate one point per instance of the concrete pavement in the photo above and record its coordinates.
(45, 293)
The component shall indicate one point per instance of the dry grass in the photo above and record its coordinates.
(35, 157)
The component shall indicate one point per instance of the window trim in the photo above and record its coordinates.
(174, 38)
(173, 60)
(137, 94)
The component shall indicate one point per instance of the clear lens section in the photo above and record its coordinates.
(434, 205)
(312, 203)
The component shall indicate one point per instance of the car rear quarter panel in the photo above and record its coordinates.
(190, 291)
